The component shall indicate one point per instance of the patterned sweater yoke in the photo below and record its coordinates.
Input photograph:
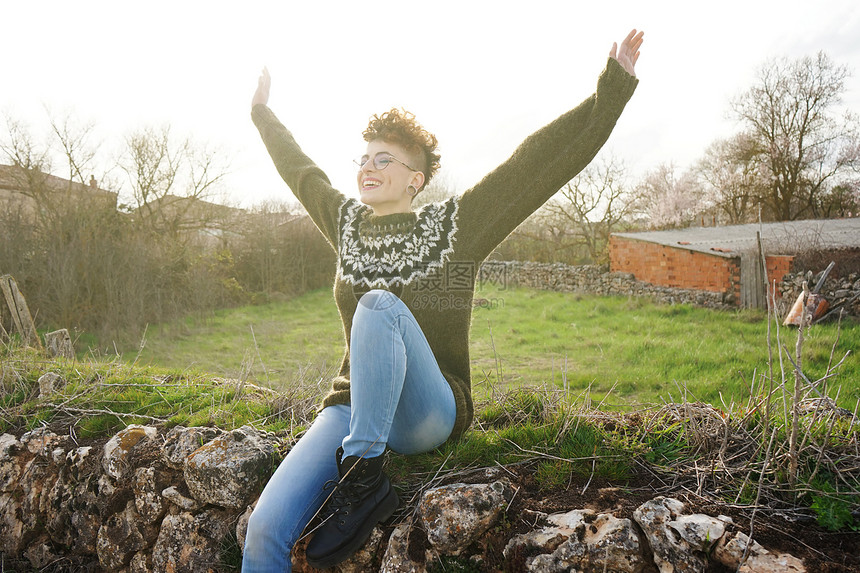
(430, 258)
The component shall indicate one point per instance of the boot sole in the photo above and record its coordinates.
(383, 511)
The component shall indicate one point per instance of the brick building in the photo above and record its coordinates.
(726, 259)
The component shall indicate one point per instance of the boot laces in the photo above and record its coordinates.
(345, 495)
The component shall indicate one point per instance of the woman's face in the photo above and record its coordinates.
(384, 189)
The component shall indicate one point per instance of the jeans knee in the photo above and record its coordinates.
(256, 522)
(258, 525)
(378, 299)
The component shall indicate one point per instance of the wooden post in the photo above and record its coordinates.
(22, 320)
(5, 318)
(752, 281)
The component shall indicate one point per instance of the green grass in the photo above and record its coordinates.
(524, 425)
(97, 398)
(541, 362)
(274, 343)
(642, 351)
(558, 435)
(620, 350)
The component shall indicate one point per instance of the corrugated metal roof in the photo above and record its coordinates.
(786, 238)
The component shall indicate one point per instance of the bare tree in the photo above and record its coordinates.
(731, 179)
(78, 149)
(591, 206)
(805, 147)
(85, 265)
(542, 237)
(170, 181)
(841, 200)
(32, 161)
(668, 200)
(64, 231)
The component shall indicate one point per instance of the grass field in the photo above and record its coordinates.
(623, 351)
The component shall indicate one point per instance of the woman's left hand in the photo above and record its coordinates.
(629, 51)
(264, 84)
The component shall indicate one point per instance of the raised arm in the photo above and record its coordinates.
(548, 158)
(308, 182)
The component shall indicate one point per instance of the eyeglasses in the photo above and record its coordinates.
(380, 161)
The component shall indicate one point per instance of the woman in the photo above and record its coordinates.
(404, 288)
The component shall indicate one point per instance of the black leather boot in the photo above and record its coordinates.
(361, 499)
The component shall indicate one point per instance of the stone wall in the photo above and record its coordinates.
(598, 280)
(141, 501)
(595, 279)
(146, 501)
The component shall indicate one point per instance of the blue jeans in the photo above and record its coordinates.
(398, 398)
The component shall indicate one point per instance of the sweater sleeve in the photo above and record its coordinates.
(542, 164)
(308, 182)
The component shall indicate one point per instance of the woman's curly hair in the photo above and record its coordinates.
(399, 126)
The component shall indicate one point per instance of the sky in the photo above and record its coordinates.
(479, 75)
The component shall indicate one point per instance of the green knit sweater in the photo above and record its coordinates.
(430, 258)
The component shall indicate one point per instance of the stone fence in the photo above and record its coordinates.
(597, 279)
(594, 279)
(148, 501)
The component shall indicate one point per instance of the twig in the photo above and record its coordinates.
(141, 346)
(593, 468)
(821, 449)
(257, 348)
(757, 498)
(497, 360)
(833, 351)
(781, 368)
(771, 312)
(512, 500)
(608, 393)
(500, 466)
(98, 412)
(797, 370)
(552, 457)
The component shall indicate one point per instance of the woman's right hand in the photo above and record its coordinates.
(263, 85)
